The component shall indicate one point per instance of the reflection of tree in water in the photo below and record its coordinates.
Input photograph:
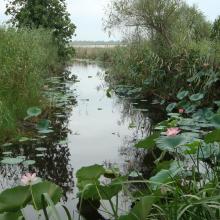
(53, 162)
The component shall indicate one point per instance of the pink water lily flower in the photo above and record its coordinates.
(28, 178)
(181, 110)
(172, 131)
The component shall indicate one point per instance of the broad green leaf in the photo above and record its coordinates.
(170, 107)
(181, 95)
(196, 97)
(148, 142)
(166, 143)
(216, 121)
(23, 139)
(90, 172)
(213, 136)
(54, 192)
(12, 200)
(141, 209)
(11, 216)
(12, 161)
(34, 111)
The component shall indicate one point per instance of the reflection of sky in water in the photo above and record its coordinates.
(100, 131)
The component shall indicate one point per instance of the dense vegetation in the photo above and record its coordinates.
(170, 42)
(172, 54)
(27, 58)
(50, 14)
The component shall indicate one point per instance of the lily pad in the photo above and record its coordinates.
(34, 111)
(12, 161)
(196, 97)
(181, 95)
(170, 107)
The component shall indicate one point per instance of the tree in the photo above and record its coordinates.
(171, 24)
(48, 14)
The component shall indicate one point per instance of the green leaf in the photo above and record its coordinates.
(11, 216)
(34, 112)
(54, 192)
(148, 142)
(213, 136)
(12, 161)
(141, 209)
(181, 95)
(29, 162)
(170, 143)
(24, 139)
(90, 172)
(170, 107)
(43, 125)
(12, 200)
(196, 97)
(216, 121)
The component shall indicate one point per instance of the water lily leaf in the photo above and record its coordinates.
(41, 149)
(181, 95)
(46, 131)
(196, 97)
(40, 155)
(54, 192)
(216, 121)
(43, 125)
(34, 111)
(29, 162)
(7, 145)
(213, 136)
(217, 103)
(148, 142)
(90, 172)
(166, 143)
(190, 109)
(170, 107)
(12, 161)
(24, 139)
(14, 199)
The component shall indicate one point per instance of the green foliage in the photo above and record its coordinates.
(215, 33)
(27, 58)
(51, 15)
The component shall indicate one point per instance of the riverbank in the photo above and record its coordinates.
(27, 58)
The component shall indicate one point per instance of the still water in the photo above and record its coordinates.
(93, 129)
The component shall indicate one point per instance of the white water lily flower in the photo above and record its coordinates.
(28, 178)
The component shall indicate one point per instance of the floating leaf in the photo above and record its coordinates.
(29, 162)
(12, 161)
(196, 97)
(46, 131)
(11, 216)
(170, 107)
(23, 139)
(181, 95)
(7, 145)
(43, 125)
(34, 111)
(41, 149)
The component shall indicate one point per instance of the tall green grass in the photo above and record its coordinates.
(27, 57)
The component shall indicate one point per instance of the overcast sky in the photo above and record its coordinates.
(88, 14)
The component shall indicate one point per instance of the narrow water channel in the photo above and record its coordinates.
(95, 128)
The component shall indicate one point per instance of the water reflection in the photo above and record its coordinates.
(89, 128)
(51, 153)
